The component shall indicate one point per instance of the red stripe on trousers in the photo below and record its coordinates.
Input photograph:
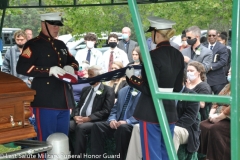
(38, 125)
(145, 136)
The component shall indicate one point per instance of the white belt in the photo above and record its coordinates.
(165, 89)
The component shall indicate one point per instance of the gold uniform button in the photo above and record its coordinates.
(60, 64)
(52, 43)
(48, 55)
(138, 82)
(36, 68)
(58, 53)
(134, 80)
(41, 68)
(47, 82)
(49, 39)
(60, 59)
(47, 69)
(55, 48)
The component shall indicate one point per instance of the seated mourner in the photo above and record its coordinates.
(186, 130)
(119, 124)
(95, 105)
(215, 132)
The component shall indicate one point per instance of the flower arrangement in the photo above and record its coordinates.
(99, 92)
(198, 51)
(134, 92)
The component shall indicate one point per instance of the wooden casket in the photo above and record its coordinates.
(15, 98)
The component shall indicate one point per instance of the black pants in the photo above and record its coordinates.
(102, 130)
(80, 131)
(217, 88)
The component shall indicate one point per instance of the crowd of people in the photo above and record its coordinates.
(122, 108)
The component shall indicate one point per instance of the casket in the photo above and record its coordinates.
(15, 99)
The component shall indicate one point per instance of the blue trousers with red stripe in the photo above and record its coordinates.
(49, 121)
(153, 146)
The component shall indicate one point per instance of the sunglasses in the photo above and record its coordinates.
(211, 35)
(189, 37)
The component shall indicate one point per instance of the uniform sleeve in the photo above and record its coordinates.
(139, 83)
(26, 63)
(179, 79)
(71, 61)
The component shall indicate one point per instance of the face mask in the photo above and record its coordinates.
(229, 78)
(20, 45)
(191, 41)
(125, 36)
(191, 76)
(90, 44)
(112, 44)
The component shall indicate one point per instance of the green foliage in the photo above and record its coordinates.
(203, 13)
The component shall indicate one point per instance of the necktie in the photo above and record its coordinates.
(83, 113)
(88, 56)
(126, 47)
(110, 61)
(211, 47)
(126, 104)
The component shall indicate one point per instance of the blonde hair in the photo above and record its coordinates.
(111, 83)
(167, 33)
(19, 33)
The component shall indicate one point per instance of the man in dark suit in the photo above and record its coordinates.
(95, 105)
(127, 44)
(119, 124)
(216, 77)
(197, 52)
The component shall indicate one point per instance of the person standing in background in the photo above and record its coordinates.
(127, 44)
(12, 55)
(90, 54)
(29, 33)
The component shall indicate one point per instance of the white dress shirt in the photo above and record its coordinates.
(95, 58)
(118, 55)
(89, 108)
(209, 45)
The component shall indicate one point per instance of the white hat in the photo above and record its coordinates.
(159, 23)
(53, 18)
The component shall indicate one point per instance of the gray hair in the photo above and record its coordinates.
(85, 65)
(96, 69)
(195, 30)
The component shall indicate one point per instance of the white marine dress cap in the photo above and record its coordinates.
(157, 23)
(53, 18)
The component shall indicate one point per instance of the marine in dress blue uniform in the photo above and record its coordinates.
(45, 58)
(168, 64)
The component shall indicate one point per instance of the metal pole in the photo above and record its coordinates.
(235, 87)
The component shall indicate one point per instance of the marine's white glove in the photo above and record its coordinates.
(69, 69)
(129, 72)
(55, 70)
